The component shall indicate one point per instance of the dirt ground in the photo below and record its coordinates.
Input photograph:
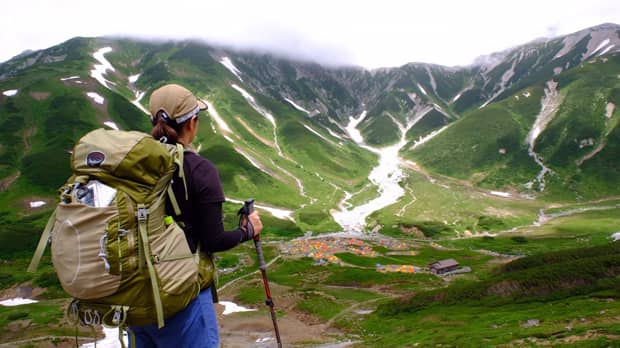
(255, 329)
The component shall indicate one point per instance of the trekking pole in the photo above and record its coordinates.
(246, 210)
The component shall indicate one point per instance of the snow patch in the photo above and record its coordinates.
(231, 307)
(37, 204)
(331, 132)
(606, 50)
(134, 78)
(111, 125)
(609, 109)
(318, 134)
(17, 301)
(230, 66)
(549, 106)
(352, 130)
(422, 89)
(10, 92)
(250, 99)
(601, 45)
(508, 74)
(276, 212)
(110, 340)
(70, 78)
(615, 236)
(96, 97)
(297, 106)
(501, 194)
(136, 102)
(218, 119)
(428, 137)
(100, 69)
(252, 161)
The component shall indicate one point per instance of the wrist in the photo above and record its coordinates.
(247, 232)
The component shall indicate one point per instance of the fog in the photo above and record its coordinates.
(368, 34)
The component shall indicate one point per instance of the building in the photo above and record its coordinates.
(443, 266)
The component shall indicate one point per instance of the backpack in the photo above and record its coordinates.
(113, 248)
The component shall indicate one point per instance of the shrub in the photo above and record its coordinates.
(47, 280)
(488, 223)
(17, 316)
(519, 239)
(431, 228)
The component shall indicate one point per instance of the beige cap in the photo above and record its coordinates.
(178, 103)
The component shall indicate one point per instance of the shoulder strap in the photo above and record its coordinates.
(146, 253)
(45, 236)
(179, 161)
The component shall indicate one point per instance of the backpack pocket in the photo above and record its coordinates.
(78, 250)
(174, 262)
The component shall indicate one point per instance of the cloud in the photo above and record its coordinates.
(371, 34)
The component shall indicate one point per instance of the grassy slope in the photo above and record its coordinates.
(552, 288)
(469, 148)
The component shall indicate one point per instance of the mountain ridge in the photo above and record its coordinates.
(301, 112)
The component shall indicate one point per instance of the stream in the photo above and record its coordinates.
(549, 106)
(387, 176)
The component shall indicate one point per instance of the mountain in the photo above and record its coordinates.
(540, 119)
(509, 167)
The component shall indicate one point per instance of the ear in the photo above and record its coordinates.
(193, 123)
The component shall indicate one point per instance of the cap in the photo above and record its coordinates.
(176, 101)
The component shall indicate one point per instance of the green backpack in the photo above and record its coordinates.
(113, 248)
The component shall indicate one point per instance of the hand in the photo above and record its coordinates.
(256, 223)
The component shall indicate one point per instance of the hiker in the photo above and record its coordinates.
(174, 115)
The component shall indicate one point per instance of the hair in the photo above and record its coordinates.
(166, 131)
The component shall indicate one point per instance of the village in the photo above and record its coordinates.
(325, 250)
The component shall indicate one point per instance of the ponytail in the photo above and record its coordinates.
(165, 131)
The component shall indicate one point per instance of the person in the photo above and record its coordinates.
(174, 115)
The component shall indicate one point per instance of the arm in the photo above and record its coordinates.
(211, 233)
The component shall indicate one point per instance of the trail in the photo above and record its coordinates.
(543, 218)
(549, 107)
(402, 210)
(232, 281)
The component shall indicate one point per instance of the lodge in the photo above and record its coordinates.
(443, 266)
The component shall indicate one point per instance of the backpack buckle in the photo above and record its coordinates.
(142, 214)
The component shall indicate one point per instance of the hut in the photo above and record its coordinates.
(443, 266)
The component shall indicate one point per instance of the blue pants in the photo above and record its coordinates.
(193, 327)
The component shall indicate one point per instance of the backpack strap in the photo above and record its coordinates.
(178, 159)
(43, 242)
(146, 254)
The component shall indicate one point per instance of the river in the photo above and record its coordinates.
(387, 176)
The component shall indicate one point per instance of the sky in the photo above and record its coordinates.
(370, 34)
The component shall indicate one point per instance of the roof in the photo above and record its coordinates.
(444, 263)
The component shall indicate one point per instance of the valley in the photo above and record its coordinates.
(364, 180)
